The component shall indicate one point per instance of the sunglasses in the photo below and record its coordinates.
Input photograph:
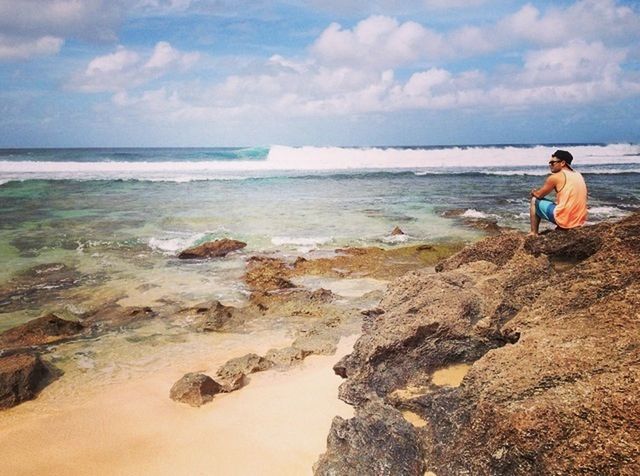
(551, 162)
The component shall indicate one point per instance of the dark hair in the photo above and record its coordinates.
(563, 155)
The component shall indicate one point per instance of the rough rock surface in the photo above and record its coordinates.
(21, 377)
(195, 389)
(265, 274)
(113, 316)
(476, 221)
(43, 330)
(213, 316)
(36, 285)
(247, 364)
(393, 448)
(549, 326)
(286, 357)
(212, 249)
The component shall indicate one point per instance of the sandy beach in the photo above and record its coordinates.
(276, 425)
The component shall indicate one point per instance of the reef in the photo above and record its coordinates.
(545, 330)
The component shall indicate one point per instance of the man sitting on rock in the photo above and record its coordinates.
(570, 207)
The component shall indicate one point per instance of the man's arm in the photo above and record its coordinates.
(547, 187)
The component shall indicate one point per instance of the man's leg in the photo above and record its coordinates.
(534, 218)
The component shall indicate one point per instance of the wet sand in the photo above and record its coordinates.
(277, 425)
(450, 376)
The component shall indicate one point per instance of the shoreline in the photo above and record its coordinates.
(133, 427)
(110, 412)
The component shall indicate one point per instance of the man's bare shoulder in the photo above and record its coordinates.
(554, 178)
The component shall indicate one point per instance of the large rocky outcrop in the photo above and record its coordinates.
(550, 328)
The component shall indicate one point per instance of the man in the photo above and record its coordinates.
(570, 208)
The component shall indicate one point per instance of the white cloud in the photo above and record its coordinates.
(125, 69)
(112, 63)
(586, 19)
(383, 42)
(577, 61)
(391, 7)
(165, 56)
(39, 27)
(12, 48)
(378, 41)
(382, 65)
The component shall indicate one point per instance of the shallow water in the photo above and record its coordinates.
(117, 218)
(450, 376)
(277, 425)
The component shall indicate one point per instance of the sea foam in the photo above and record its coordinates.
(282, 160)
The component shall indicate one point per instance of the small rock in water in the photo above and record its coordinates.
(212, 249)
(21, 377)
(397, 231)
(43, 330)
(194, 389)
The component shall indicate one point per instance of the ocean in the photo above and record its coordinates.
(119, 216)
(85, 229)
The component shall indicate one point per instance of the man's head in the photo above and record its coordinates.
(559, 159)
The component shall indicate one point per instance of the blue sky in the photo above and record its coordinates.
(82, 73)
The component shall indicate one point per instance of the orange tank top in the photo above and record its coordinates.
(571, 201)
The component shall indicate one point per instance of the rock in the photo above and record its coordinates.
(22, 376)
(397, 231)
(374, 262)
(377, 441)
(286, 357)
(486, 224)
(212, 249)
(232, 382)
(549, 326)
(453, 213)
(245, 365)
(213, 316)
(496, 250)
(37, 285)
(216, 317)
(195, 389)
(425, 248)
(113, 316)
(321, 295)
(317, 343)
(266, 274)
(47, 329)
(296, 302)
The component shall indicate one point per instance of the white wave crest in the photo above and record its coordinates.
(607, 212)
(473, 213)
(174, 244)
(327, 159)
(338, 158)
(395, 239)
(297, 241)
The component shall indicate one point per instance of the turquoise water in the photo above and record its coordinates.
(121, 235)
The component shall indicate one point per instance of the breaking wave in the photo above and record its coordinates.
(186, 165)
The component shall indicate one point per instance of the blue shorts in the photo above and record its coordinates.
(545, 209)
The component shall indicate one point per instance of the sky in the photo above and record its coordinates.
(198, 73)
